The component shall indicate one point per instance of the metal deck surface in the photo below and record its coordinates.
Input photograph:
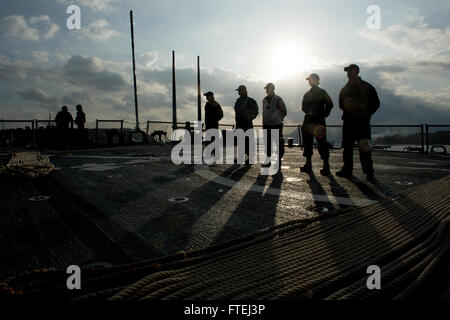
(125, 204)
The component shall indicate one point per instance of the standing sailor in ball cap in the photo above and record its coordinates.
(359, 101)
(274, 112)
(317, 106)
(246, 110)
(213, 114)
(80, 121)
(63, 120)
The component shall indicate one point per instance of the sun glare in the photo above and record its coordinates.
(287, 60)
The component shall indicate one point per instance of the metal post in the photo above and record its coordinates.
(33, 143)
(422, 138)
(121, 126)
(148, 125)
(174, 94)
(134, 71)
(96, 130)
(199, 95)
(300, 142)
(427, 137)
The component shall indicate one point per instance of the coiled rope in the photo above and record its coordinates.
(325, 257)
(29, 164)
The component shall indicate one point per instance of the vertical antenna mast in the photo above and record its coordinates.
(199, 95)
(134, 71)
(174, 94)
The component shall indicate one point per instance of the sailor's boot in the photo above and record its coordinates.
(307, 167)
(325, 171)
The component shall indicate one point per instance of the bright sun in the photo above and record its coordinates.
(287, 60)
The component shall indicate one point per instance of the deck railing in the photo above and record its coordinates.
(422, 138)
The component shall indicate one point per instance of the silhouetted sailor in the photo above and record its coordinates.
(317, 106)
(274, 112)
(63, 119)
(246, 110)
(80, 119)
(359, 101)
(213, 112)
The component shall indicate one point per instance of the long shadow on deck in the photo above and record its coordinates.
(175, 228)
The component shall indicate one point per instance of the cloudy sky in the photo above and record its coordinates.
(44, 65)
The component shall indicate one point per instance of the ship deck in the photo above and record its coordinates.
(119, 205)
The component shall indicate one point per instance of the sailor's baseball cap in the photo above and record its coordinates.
(352, 67)
(313, 76)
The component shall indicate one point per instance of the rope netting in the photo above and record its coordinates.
(30, 164)
(317, 258)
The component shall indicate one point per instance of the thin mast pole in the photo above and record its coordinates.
(199, 95)
(174, 94)
(134, 72)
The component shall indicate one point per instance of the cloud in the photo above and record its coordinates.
(415, 41)
(39, 20)
(89, 72)
(99, 5)
(19, 72)
(106, 90)
(40, 56)
(433, 68)
(149, 59)
(17, 27)
(36, 28)
(398, 106)
(98, 31)
(52, 31)
(412, 81)
(38, 95)
(95, 5)
(74, 98)
(222, 82)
